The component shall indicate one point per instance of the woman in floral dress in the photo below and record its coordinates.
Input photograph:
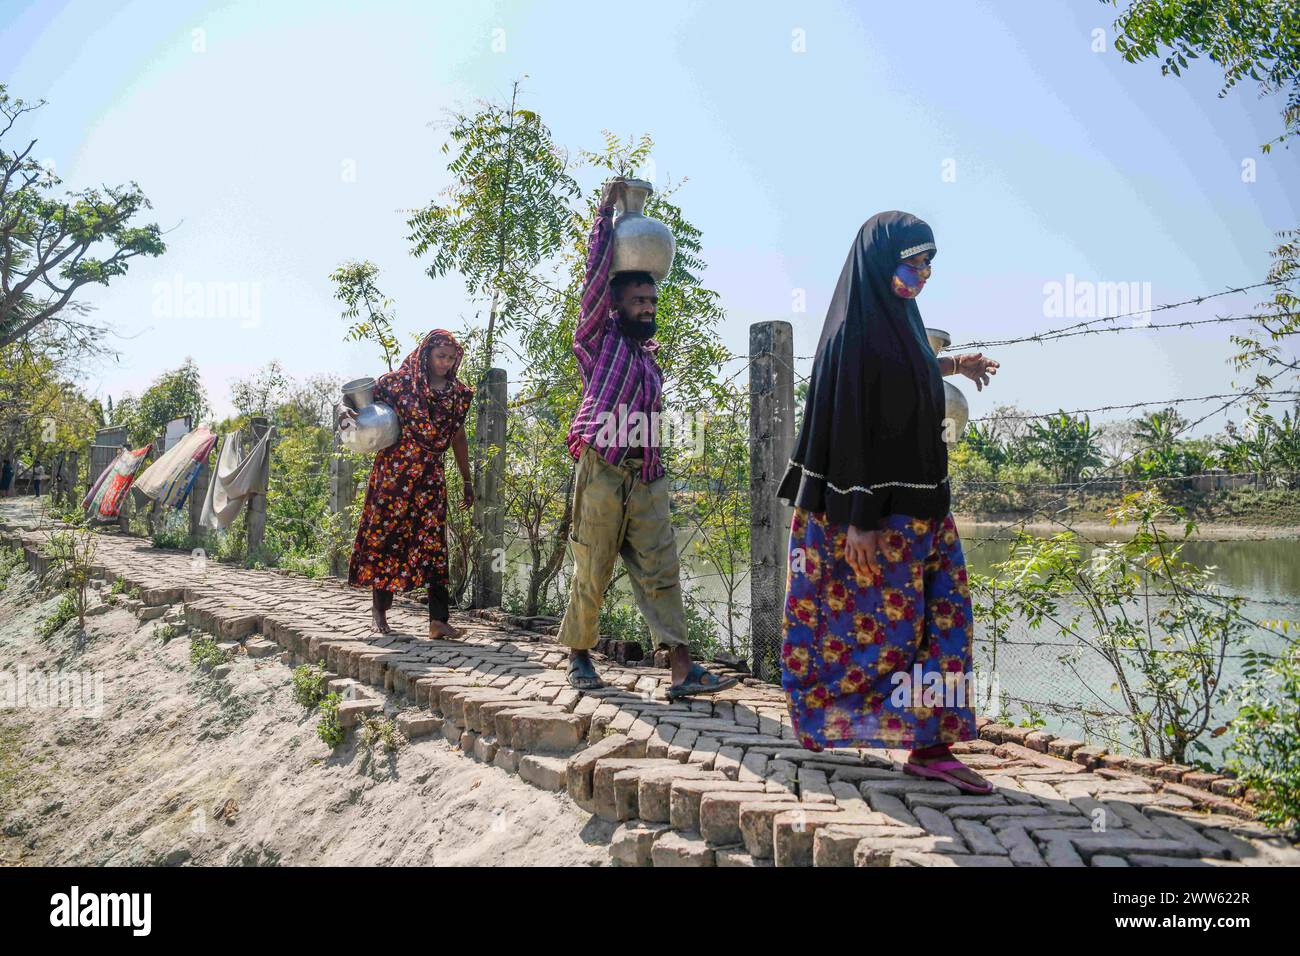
(402, 540)
(878, 618)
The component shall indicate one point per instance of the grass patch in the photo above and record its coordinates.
(309, 685)
(383, 731)
(64, 611)
(205, 653)
(11, 559)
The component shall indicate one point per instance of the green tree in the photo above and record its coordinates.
(1065, 445)
(173, 394)
(537, 493)
(505, 213)
(1163, 454)
(1249, 39)
(984, 443)
(1268, 350)
(355, 286)
(43, 415)
(50, 247)
(713, 461)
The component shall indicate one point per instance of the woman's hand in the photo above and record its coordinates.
(861, 551)
(975, 367)
(346, 414)
(469, 492)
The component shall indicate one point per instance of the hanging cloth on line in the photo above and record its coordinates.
(237, 475)
(169, 479)
(104, 500)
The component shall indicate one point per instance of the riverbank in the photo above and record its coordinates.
(989, 524)
(1241, 514)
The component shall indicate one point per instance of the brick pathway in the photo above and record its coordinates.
(712, 782)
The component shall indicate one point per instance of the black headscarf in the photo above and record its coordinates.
(871, 443)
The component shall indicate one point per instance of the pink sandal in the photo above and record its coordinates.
(939, 771)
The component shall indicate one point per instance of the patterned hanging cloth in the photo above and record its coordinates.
(104, 500)
(170, 479)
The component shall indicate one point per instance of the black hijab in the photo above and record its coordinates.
(871, 443)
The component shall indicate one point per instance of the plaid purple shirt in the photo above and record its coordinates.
(622, 384)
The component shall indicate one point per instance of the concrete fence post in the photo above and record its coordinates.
(771, 441)
(342, 489)
(257, 426)
(489, 469)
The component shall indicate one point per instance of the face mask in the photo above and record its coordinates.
(635, 329)
(908, 281)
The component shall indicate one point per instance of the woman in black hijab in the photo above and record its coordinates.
(878, 617)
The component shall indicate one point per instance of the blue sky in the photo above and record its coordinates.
(793, 123)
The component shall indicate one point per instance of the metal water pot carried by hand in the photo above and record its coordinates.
(957, 409)
(641, 244)
(373, 426)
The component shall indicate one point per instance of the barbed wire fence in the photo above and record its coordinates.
(1040, 674)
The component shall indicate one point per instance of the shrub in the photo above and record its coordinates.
(330, 729)
(205, 653)
(381, 730)
(73, 552)
(309, 684)
(64, 611)
(1265, 752)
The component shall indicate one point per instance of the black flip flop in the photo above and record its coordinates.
(700, 681)
(581, 669)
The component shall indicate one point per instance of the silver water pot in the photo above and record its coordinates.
(641, 244)
(956, 408)
(377, 424)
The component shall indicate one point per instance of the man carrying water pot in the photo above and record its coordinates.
(620, 494)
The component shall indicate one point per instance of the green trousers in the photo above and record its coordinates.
(616, 514)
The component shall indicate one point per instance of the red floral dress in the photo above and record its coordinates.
(402, 539)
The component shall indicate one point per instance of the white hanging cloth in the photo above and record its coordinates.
(236, 476)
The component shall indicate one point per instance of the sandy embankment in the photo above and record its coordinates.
(184, 768)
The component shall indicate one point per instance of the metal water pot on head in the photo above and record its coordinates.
(956, 408)
(377, 424)
(641, 244)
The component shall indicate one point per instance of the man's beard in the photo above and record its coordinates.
(636, 329)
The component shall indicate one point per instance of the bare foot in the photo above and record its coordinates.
(380, 621)
(443, 630)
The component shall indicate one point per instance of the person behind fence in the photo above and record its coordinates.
(620, 494)
(401, 543)
(877, 626)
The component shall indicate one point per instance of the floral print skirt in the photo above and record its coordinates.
(884, 661)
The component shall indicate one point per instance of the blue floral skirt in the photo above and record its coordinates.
(884, 661)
